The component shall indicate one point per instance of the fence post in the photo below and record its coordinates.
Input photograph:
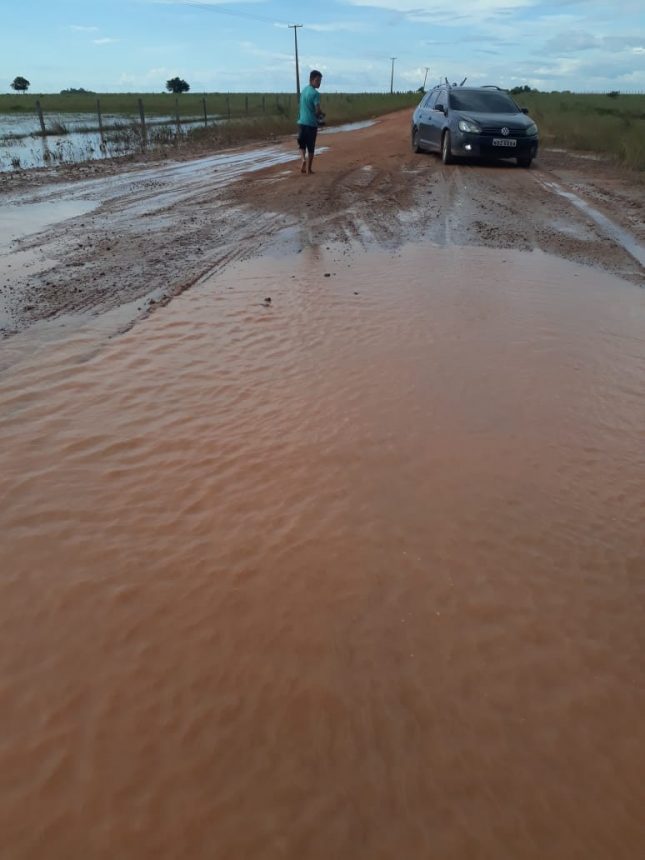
(43, 130)
(143, 123)
(205, 114)
(98, 111)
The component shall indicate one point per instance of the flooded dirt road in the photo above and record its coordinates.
(353, 573)
(146, 233)
(339, 553)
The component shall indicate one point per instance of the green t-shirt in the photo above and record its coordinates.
(309, 98)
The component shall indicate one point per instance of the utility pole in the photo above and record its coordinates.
(392, 76)
(295, 28)
(426, 77)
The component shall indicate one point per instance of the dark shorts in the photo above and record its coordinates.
(307, 137)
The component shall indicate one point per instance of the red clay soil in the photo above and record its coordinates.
(368, 188)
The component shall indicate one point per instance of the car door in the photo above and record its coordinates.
(424, 115)
(436, 119)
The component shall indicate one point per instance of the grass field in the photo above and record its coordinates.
(339, 106)
(597, 123)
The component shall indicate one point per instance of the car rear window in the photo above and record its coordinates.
(483, 102)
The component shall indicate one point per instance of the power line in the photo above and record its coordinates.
(220, 10)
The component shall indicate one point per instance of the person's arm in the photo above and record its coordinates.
(317, 107)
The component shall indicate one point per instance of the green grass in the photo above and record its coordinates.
(594, 123)
(338, 106)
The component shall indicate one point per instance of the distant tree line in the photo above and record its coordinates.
(179, 85)
(174, 85)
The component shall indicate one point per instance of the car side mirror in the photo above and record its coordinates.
(524, 110)
(439, 107)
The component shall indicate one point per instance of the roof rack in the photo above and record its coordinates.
(454, 84)
(492, 87)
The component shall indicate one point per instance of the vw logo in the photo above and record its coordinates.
(505, 131)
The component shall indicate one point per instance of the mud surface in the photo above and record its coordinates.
(156, 229)
(352, 574)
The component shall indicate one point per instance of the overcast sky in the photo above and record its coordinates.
(136, 45)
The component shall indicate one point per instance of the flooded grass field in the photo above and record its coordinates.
(77, 138)
(356, 572)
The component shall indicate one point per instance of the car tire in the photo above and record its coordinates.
(416, 147)
(524, 160)
(446, 153)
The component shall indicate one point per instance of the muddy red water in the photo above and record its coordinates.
(353, 573)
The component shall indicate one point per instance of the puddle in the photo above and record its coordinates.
(150, 190)
(121, 138)
(18, 220)
(30, 152)
(612, 230)
(355, 574)
(13, 124)
(348, 126)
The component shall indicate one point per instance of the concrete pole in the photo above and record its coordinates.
(295, 28)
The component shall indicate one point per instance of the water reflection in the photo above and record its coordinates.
(46, 152)
(28, 152)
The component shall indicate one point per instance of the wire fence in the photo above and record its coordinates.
(60, 114)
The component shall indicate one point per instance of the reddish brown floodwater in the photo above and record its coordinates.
(358, 575)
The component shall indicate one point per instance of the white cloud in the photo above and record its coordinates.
(105, 41)
(444, 9)
(339, 27)
(272, 56)
(570, 41)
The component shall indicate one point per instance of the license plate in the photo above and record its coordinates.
(504, 141)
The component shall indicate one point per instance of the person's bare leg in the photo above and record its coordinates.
(303, 166)
(311, 161)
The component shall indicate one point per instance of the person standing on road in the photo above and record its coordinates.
(308, 116)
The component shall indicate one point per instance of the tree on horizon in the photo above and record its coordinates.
(20, 84)
(177, 85)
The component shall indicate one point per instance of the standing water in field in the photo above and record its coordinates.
(352, 573)
(76, 138)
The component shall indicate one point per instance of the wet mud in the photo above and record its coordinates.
(156, 229)
(338, 553)
(356, 572)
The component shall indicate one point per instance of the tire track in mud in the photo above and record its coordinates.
(359, 205)
(507, 207)
(159, 230)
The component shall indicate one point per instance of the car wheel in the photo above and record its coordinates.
(416, 147)
(524, 160)
(446, 153)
